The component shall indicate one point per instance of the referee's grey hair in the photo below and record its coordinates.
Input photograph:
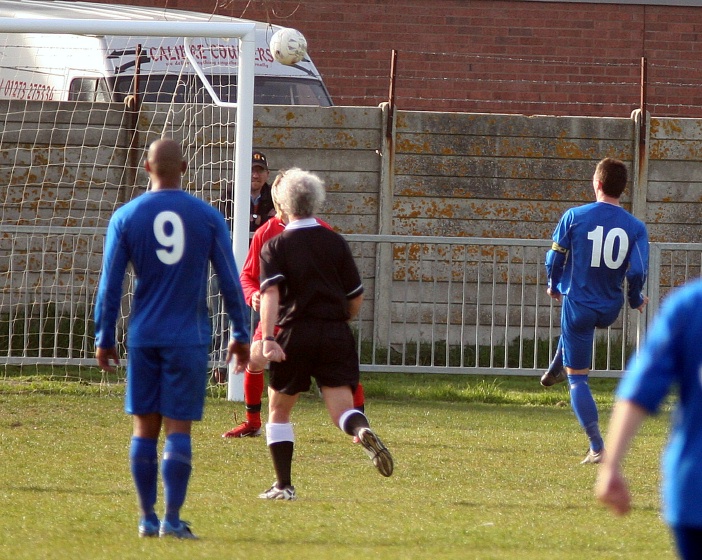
(300, 193)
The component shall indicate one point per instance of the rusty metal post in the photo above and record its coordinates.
(639, 188)
(387, 154)
(644, 110)
(383, 256)
(639, 199)
(642, 198)
(391, 96)
(133, 105)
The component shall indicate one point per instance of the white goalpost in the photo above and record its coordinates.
(245, 32)
(29, 239)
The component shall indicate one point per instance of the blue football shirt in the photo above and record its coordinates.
(168, 236)
(671, 356)
(595, 247)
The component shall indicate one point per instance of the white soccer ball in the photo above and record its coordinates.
(288, 46)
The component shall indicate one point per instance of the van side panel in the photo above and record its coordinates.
(36, 67)
(40, 66)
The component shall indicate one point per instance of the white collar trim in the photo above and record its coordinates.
(303, 223)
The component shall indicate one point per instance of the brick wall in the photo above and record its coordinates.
(494, 56)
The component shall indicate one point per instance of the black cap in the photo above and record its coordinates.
(259, 158)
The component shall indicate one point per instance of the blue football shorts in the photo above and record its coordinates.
(168, 381)
(578, 324)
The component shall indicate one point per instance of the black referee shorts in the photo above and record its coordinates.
(323, 350)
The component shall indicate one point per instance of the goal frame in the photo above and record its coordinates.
(245, 33)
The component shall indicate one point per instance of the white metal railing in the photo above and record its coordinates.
(432, 304)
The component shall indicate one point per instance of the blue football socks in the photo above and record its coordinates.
(175, 469)
(585, 410)
(143, 460)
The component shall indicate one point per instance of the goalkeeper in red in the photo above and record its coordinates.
(169, 237)
(595, 248)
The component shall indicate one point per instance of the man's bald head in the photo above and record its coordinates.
(165, 164)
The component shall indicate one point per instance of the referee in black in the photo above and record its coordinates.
(310, 289)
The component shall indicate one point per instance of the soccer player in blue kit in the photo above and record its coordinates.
(670, 359)
(595, 247)
(169, 237)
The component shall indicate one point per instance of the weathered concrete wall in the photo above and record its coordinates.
(451, 174)
(509, 176)
(60, 163)
(674, 180)
(67, 166)
(341, 144)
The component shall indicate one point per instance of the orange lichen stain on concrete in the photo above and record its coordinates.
(501, 212)
(443, 210)
(338, 118)
(694, 151)
(570, 150)
(409, 192)
(414, 214)
(659, 149)
(346, 139)
(369, 201)
(280, 138)
(407, 146)
(518, 147)
(669, 126)
(400, 120)
(479, 210)
(290, 115)
(18, 179)
(412, 251)
(501, 253)
(429, 209)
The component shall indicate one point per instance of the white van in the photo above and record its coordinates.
(67, 67)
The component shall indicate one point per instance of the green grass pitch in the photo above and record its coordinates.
(485, 468)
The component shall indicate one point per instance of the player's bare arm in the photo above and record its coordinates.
(241, 352)
(270, 300)
(554, 294)
(611, 487)
(104, 355)
(256, 301)
(355, 306)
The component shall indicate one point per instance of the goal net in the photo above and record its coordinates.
(72, 144)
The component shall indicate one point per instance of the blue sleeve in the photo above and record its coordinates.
(638, 269)
(109, 295)
(661, 360)
(555, 263)
(229, 285)
(557, 256)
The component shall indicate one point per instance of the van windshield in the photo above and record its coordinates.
(268, 90)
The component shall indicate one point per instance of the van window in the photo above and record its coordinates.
(89, 89)
(289, 91)
(189, 89)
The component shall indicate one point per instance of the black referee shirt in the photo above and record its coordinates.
(314, 270)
